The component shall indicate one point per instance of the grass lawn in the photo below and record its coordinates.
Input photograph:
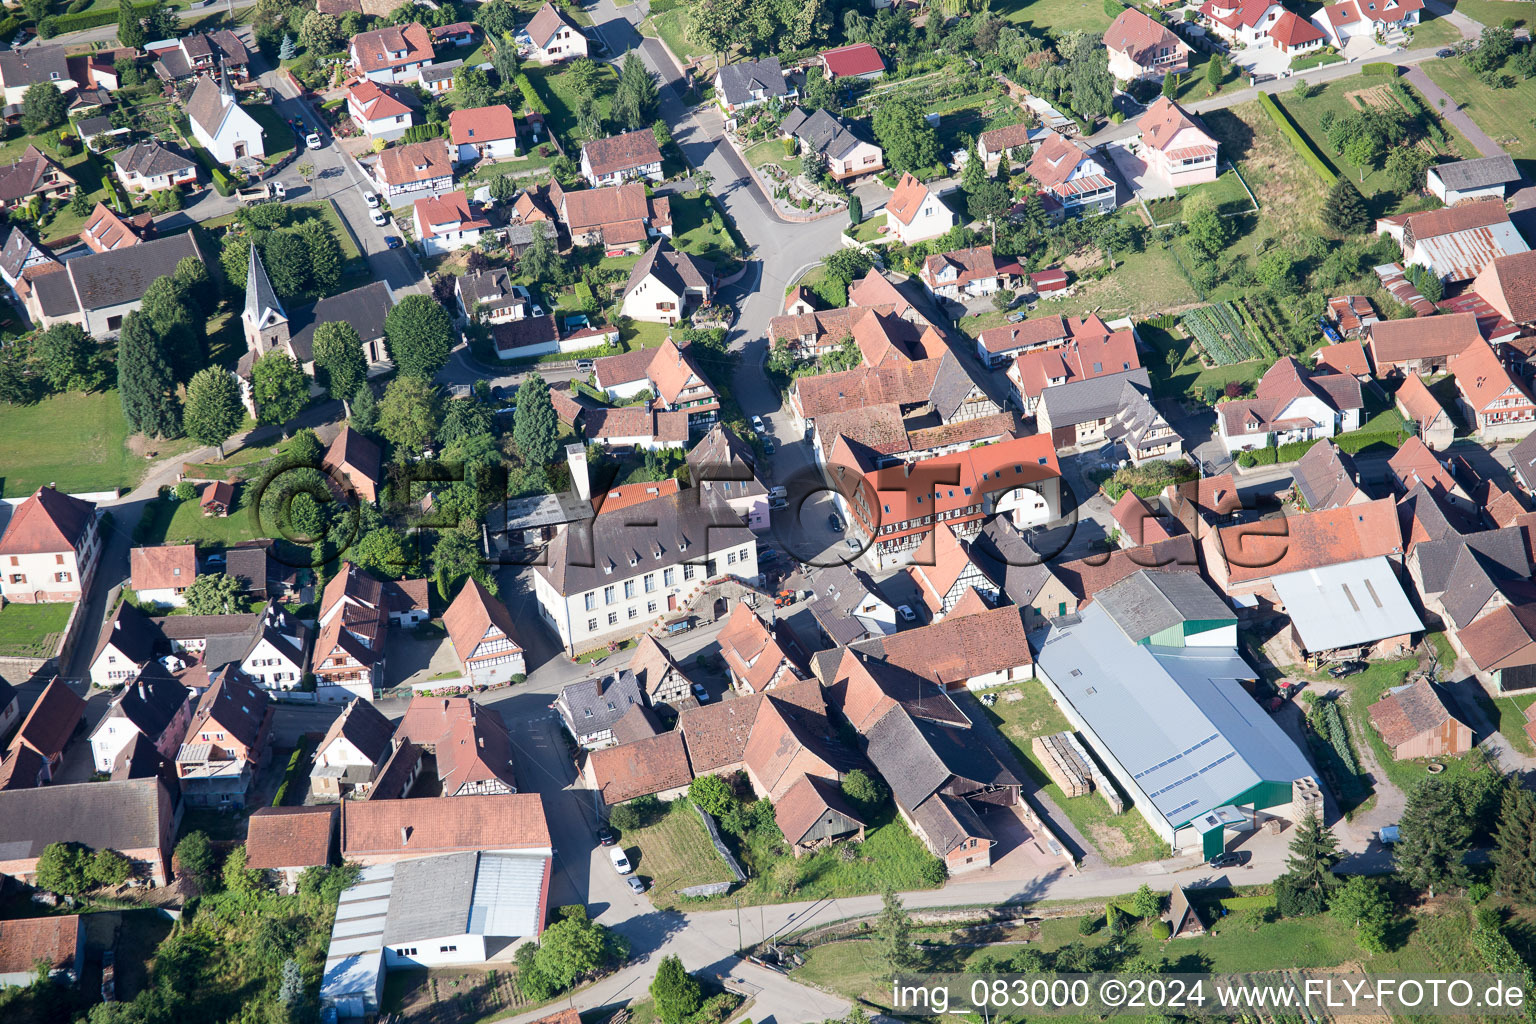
(672, 28)
(1505, 114)
(1489, 12)
(1435, 31)
(32, 630)
(770, 151)
(76, 442)
(86, 168)
(1055, 17)
(558, 90)
(674, 853)
(1226, 191)
(694, 231)
(183, 522)
(1366, 689)
(276, 136)
(298, 213)
(642, 334)
(1121, 838)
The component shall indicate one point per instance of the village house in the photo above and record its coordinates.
(748, 83)
(49, 549)
(667, 284)
(1242, 22)
(154, 167)
(1012, 141)
(1345, 357)
(1072, 176)
(54, 945)
(615, 217)
(160, 575)
(391, 54)
(1090, 350)
(446, 222)
(723, 467)
(352, 751)
(394, 831)
(856, 60)
(97, 290)
(658, 674)
(33, 174)
(135, 817)
(1290, 403)
(830, 137)
(1142, 48)
(1370, 19)
(1499, 406)
(221, 126)
(1454, 243)
(621, 158)
(37, 749)
(550, 37)
(1414, 401)
(754, 659)
(286, 841)
(1295, 36)
(1175, 148)
(1414, 722)
(1326, 477)
(483, 133)
(226, 744)
(154, 706)
(200, 53)
(382, 111)
(971, 272)
(589, 708)
(491, 296)
(21, 69)
(468, 741)
(414, 167)
(1485, 177)
(483, 636)
(916, 214)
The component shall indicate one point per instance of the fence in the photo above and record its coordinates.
(720, 847)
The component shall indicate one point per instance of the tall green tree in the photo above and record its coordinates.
(279, 388)
(213, 412)
(408, 414)
(285, 254)
(1344, 210)
(1313, 854)
(182, 330)
(905, 134)
(339, 364)
(130, 30)
(145, 382)
(365, 410)
(419, 335)
(676, 994)
(42, 107)
(1514, 854)
(197, 286)
(1363, 903)
(195, 858)
(637, 99)
(535, 426)
(893, 931)
(63, 867)
(1209, 231)
(324, 256)
(64, 355)
(1434, 838)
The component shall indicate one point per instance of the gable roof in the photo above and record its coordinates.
(164, 567)
(1163, 122)
(1345, 357)
(1309, 540)
(51, 721)
(1508, 284)
(472, 615)
(820, 132)
(802, 805)
(482, 124)
(546, 21)
(375, 51)
(289, 837)
(621, 152)
(737, 82)
(1138, 36)
(428, 825)
(52, 940)
(123, 815)
(365, 727)
(1149, 601)
(854, 59)
(1085, 577)
(1326, 476)
(47, 523)
(1482, 378)
(1395, 341)
(1293, 30)
(236, 707)
(379, 100)
(1480, 172)
(918, 757)
(1408, 711)
(1417, 400)
(907, 199)
(414, 162)
(98, 280)
(649, 765)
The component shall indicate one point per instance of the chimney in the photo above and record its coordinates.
(143, 691)
(581, 481)
(445, 703)
(482, 742)
(405, 834)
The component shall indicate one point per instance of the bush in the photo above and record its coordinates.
(1088, 925)
(1147, 481)
(1379, 69)
(185, 491)
(1162, 930)
(1296, 137)
(531, 98)
(623, 817)
(106, 15)
(423, 132)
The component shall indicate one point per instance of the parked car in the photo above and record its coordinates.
(606, 836)
(768, 447)
(700, 693)
(585, 365)
(378, 218)
(835, 523)
(906, 613)
(620, 860)
(1230, 860)
(392, 242)
(312, 140)
(853, 544)
(1445, 51)
(1346, 668)
(778, 492)
(637, 885)
(774, 504)
(372, 199)
(757, 424)
(1387, 835)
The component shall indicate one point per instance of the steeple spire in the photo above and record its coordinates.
(262, 307)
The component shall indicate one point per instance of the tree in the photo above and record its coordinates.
(535, 426)
(855, 210)
(1171, 85)
(1434, 837)
(381, 551)
(1514, 854)
(1209, 231)
(130, 30)
(237, 878)
(1344, 210)
(893, 929)
(715, 24)
(1426, 281)
(191, 276)
(908, 140)
(64, 354)
(183, 333)
(365, 410)
(456, 556)
(285, 254)
(991, 202)
(1091, 85)
(144, 380)
(848, 265)
(42, 107)
(1214, 72)
(320, 33)
(1405, 168)
(1364, 150)
(712, 793)
(278, 387)
(1364, 904)
(286, 49)
(497, 17)
(339, 364)
(973, 174)
(213, 594)
(419, 335)
(195, 858)
(502, 187)
(63, 868)
(540, 261)
(108, 867)
(636, 100)
(862, 790)
(408, 414)
(324, 255)
(1145, 903)
(472, 88)
(571, 948)
(1314, 851)
(213, 411)
(677, 995)
(1276, 269)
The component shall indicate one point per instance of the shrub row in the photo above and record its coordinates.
(531, 98)
(1379, 69)
(1353, 442)
(423, 132)
(1166, 322)
(94, 19)
(1298, 139)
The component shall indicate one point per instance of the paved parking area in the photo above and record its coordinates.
(1134, 170)
(416, 659)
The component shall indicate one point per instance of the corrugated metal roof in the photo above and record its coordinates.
(1346, 604)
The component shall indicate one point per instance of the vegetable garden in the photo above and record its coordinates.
(1230, 332)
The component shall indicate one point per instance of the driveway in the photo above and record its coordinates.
(1135, 171)
(1440, 100)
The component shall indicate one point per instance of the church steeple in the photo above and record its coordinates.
(264, 319)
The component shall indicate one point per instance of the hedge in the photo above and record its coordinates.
(531, 98)
(423, 132)
(1166, 322)
(1353, 442)
(1379, 69)
(96, 19)
(1297, 137)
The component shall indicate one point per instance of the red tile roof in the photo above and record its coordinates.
(416, 161)
(633, 494)
(450, 210)
(857, 59)
(959, 480)
(622, 152)
(375, 51)
(1055, 159)
(46, 523)
(289, 837)
(1345, 357)
(376, 101)
(444, 824)
(650, 765)
(1292, 30)
(1415, 397)
(1398, 341)
(52, 720)
(472, 617)
(25, 941)
(1481, 377)
(907, 199)
(1508, 284)
(482, 124)
(1087, 576)
(164, 567)
(1310, 540)
(1139, 37)
(1163, 122)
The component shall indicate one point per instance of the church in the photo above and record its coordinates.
(267, 325)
